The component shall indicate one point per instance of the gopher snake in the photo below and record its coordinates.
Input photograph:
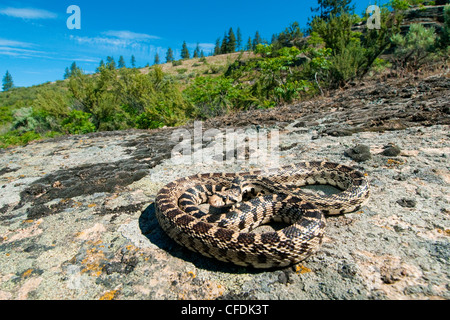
(240, 202)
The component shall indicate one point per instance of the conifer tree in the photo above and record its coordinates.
(101, 66)
(197, 51)
(110, 63)
(249, 44)
(217, 47)
(256, 40)
(274, 38)
(133, 61)
(224, 47)
(184, 51)
(169, 55)
(121, 62)
(238, 39)
(67, 73)
(156, 58)
(8, 83)
(288, 37)
(333, 7)
(73, 68)
(231, 41)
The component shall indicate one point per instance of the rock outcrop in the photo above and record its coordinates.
(77, 217)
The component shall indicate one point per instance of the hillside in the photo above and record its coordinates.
(211, 65)
(290, 69)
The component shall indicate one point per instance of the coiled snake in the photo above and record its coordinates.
(240, 202)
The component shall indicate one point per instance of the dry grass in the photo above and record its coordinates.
(213, 65)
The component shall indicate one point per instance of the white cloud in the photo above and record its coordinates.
(113, 38)
(203, 46)
(119, 42)
(129, 35)
(100, 41)
(28, 13)
(17, 48)
(19, 52)
(13, 43)
(20, 49)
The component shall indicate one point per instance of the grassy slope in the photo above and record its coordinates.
(189, 69)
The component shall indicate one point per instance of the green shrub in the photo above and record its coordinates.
(77, 122)
(214, 96)
(15, 138)
(412, 49)
(345, 65)
(336, 31)
(444, 41)
(147, 120)
(6, 115)
(182, 70)
(28, 119)
(399, 4)
(55, 103)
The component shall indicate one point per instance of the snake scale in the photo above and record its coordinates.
(240, 202)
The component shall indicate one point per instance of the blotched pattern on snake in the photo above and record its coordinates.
(240, 202)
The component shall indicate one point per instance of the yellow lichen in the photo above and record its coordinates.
(93, 262)
(109, 295)
(27, 273)
(446, 232)
(392, 163)
(300, 269)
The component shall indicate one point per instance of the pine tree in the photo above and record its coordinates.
(333, 7)
(274, 38)
(289, 36)
(256, 40)
(202, 54)
(74, 69)
(7, 81)
(248, 47)
(121, 62)
(239, 39)
(197, 51)
(224, 46)
(217, 47)
(156, 59)
(133, 61)
(169, 55)
(184, 51)
(67, 73)
(231, 41)
(101, 66)
(110, 63)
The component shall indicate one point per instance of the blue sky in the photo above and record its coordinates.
(36, 44)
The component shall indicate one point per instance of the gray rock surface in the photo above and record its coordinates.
(77, 217)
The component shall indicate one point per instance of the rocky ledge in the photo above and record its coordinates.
(77, 217)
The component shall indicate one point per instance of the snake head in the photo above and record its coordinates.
(216, 201)
(225, 198)
(229, 196)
